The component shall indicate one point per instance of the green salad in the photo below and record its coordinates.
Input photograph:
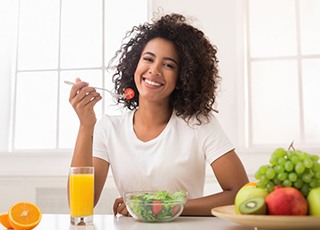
(156, 206)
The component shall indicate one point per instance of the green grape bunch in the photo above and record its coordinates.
(290, 168)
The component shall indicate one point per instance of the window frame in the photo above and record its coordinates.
(249, 146)
(59, 70)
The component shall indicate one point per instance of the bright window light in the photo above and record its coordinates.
(60, 40)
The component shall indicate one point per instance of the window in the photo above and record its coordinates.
(283, 66)
(60, 40)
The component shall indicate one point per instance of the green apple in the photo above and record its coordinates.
(247, 192)
(313, 199)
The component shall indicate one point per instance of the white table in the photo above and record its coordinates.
(110, 222)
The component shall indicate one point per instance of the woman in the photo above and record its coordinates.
(169, 132)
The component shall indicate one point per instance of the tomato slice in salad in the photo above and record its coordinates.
(157, 207)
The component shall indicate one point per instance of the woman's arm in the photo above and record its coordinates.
(231, 176)
(101, 168)
(83, 98)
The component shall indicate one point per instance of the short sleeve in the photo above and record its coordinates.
(214, 140)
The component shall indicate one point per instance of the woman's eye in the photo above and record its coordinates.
(148, 59)
(170, 66)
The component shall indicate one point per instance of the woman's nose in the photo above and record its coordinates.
(154, 70)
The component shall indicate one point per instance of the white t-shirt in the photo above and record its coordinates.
(172, 161)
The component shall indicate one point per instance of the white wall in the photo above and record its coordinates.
(8, 22)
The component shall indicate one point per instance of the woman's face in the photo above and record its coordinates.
(157, 71)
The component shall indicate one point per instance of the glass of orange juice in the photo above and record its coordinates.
(81, 195)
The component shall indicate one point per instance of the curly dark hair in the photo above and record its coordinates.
(198, 78)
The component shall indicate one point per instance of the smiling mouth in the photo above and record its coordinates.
(153, 83)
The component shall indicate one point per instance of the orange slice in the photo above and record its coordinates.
(24, 216)
(4, 220)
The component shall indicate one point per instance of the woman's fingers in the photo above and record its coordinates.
(81, 95)
(76, 87)
(117, 203)
(87, 96)
(95, 99)
(120, 207)
(83, 98)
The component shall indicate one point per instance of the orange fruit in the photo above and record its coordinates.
(24, 216)
(254, 184)
(4, 220)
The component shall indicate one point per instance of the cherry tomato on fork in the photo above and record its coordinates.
(129, 93)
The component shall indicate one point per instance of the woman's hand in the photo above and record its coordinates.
(83, 98)
(120, 207)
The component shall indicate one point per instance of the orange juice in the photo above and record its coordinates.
(81, 194)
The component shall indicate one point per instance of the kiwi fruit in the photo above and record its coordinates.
(253, 206)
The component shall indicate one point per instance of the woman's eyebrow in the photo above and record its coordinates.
(166, 58)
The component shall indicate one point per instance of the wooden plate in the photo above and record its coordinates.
(264, 222)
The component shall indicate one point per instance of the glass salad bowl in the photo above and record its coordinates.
(156, 206)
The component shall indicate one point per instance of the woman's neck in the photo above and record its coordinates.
(150, 121)
(152, 117)
(153, 114)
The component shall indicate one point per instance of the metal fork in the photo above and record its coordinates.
(99, 88)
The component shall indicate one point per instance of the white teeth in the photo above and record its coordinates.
(152, 82)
